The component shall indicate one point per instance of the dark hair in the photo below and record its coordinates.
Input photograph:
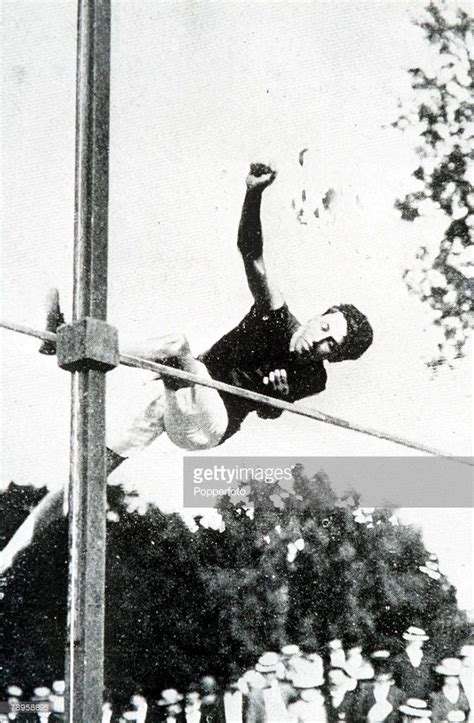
(359, 333)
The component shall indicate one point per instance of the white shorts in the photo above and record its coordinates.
(193, 417)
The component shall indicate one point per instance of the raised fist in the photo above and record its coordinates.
(260, 176)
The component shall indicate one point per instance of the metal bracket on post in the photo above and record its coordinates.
(87, 344)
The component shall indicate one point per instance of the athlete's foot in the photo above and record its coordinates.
(260, 176)
(54, 319)
(172, 346)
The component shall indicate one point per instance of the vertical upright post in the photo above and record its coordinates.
(87, 489)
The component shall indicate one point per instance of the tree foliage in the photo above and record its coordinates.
(295, 563)
(441, 114)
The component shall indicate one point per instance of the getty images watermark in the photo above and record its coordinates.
(378, 481)
(207, 480)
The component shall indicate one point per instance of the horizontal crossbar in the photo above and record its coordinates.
(302, 411)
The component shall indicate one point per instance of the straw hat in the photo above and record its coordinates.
(307, 677)
(415, 708)
(41, 693)
(456, 715)
(59, 687)
(450, 666)
(267, 663)
(414, 633)
(290, 650)
(170, 696)
(14, 691)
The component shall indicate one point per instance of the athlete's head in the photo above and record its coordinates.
(341, 333)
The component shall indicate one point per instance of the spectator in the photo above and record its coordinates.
(289, 657)
(341, 699)
(379, 700)
(356, 665)
(412, 668)
(13, 695)
(451, 698)
(107, 712)
(192, 704)
(310, 705)
(170, 706)
(268, 703)
(42, 714)
(252, 679)
(233, 699)
(56, 700)
(414, 709)
(316, 660)
(337, 656)
(139, 711)
(467, 676)
(14, 692)
(212, 702)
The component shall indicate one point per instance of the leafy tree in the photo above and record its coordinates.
(441, 115)
(157, 618)
(294, 563)
(340, 570)
(34, 603)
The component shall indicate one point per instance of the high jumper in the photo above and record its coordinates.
(268, 352)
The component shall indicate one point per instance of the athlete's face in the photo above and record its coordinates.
(320, 336)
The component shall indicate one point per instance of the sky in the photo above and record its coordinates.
(198, 90)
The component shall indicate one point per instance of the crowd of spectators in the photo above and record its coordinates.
(297, 686)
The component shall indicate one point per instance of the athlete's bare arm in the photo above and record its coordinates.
(250, 238)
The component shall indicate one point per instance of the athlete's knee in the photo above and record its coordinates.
(195, 418)
(197, 439)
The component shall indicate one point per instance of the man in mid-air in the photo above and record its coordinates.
(269, 352)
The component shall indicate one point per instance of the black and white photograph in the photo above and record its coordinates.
(236, 341)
